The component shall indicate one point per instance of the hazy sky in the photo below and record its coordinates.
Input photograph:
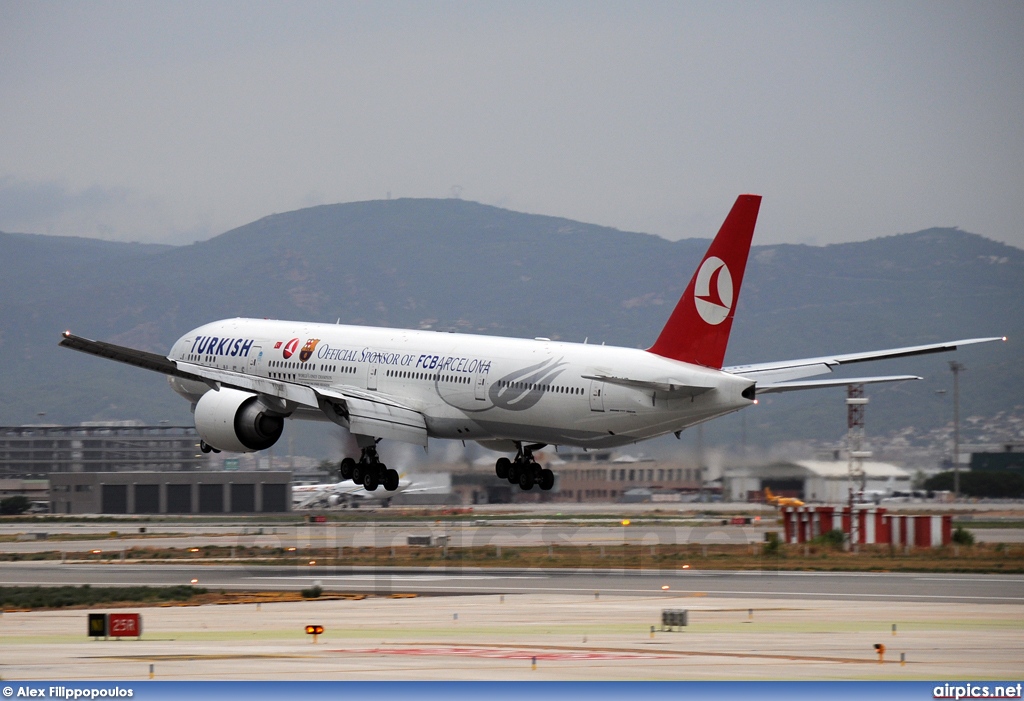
(176, 121)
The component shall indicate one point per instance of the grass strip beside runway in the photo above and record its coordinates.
(978, 558)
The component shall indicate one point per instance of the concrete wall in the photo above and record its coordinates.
(188, 492)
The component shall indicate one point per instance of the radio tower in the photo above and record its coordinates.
(956, 368)
(856, 403)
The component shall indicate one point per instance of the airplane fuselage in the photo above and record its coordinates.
(471, 387)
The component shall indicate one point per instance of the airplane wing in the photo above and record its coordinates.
(362, 411)
(373, 414)
(779, 372)
(130, 356)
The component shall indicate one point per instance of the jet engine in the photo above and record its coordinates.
(236, 421)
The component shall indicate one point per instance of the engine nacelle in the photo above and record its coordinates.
(236, 421)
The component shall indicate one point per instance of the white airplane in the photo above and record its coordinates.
(244, 377)
(347, 493)
(307, 496)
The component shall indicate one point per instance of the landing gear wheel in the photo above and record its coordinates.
(358, 473)
(546, 479)
(371, 481)
(346, 468)
(526, 480)
(391, 480)
(514, 471)
(205, 447)
(501, 468)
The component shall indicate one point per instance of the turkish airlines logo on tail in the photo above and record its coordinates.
(712, 293)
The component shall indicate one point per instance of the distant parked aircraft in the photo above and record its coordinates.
(780, 502)
(349, 494)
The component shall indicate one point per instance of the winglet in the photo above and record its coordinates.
(698, 330)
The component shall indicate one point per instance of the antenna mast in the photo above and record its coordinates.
(856, 403)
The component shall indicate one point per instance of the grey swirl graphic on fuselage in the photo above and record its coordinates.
(522, 389)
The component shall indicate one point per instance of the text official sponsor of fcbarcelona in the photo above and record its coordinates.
(421, 361)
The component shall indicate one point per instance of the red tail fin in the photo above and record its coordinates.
(698, 330)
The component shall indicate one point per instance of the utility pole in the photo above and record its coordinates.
(856, 403)
(700, 460)
(743, 437)
(957, 368)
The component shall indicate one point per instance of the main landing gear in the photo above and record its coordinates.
(369, 471)
(524, 470)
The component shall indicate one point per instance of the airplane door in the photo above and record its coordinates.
(480, 387)
(371, 377)
(596, 395)
(255, 360)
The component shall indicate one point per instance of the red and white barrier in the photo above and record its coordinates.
(921, 531)
(867, 525)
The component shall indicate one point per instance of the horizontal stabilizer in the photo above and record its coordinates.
(782, 370)
(837, 382)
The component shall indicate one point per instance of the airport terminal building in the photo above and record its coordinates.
(601, 476)
(595, 476)
(36, 451)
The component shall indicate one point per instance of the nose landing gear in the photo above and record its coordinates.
(207, 448)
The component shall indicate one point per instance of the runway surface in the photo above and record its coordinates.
(472, 623)
(386, 535)
(532, 636)
(920, 587)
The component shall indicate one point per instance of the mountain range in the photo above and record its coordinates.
(453, 265)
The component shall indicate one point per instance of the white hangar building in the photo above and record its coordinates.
(814, 481)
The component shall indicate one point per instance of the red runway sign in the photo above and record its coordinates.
(124, 625)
